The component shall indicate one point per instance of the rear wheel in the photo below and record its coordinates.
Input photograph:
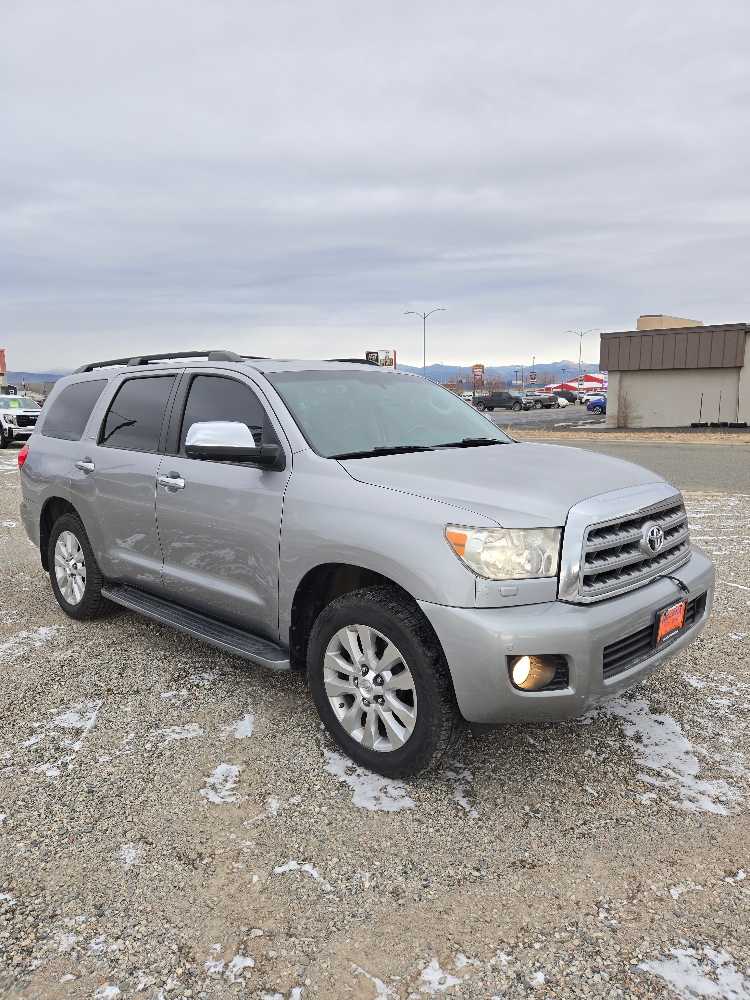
(73, 570)
(380, 683)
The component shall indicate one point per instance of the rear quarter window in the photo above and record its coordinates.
(69, 413)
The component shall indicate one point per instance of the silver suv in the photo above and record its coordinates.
(367, 527)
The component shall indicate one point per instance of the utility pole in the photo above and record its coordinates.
(581, 334)
(424, 315)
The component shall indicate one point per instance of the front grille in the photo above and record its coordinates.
(625, 653)
(613, 559)
(23, 420)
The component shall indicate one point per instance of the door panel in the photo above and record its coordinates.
(117, 483)
(220, 532)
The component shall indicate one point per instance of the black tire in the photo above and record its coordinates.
(537, 405)
(480, 407)
(597, 409)
(4, 439)
(491, 409)
(92, 604)
(516, 406)
(438, 723)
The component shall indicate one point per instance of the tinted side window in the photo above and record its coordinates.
(212, 397)
(135, 416)
(70, 412)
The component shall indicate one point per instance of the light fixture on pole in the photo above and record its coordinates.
(581, 334)
(424, 315)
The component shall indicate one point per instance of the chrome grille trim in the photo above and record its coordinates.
(601, 555)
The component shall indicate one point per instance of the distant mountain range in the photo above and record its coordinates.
(551, 371)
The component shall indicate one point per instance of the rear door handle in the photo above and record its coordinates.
(171, 482)
(85, 465)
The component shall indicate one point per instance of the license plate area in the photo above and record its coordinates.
(669, 622)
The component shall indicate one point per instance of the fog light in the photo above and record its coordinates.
(531, 673)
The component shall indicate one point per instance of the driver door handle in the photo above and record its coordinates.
(171, 482)
(85, 465)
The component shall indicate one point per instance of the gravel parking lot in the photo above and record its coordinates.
(174, 823)
(556, 418)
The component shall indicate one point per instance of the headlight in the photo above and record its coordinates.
(507, 553)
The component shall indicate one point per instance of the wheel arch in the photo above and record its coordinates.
(323, 584)
(53, 508)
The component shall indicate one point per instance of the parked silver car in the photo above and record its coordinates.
(368, 527)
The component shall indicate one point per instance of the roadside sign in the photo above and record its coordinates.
(532, 377)
(478, 373)
(385, 357)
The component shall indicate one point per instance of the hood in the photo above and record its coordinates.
(516, 485)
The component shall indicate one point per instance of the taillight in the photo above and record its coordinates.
(23, 455)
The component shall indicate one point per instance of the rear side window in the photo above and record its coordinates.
(135, 416)
(212, 397)
(69, 413)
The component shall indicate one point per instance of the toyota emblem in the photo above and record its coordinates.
(653, 538)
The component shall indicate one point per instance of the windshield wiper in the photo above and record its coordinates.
(477, 442)
(394, 449)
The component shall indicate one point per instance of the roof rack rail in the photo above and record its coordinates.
(143, 359)
(355, 361)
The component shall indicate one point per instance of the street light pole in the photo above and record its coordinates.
(581, 334)
(424, 315)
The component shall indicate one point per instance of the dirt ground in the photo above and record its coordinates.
(174, 823)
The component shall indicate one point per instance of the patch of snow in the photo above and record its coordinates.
(236, 966)
(692, 974)
(5, 897)
(678, 890)
(8, 524)
(106, 993)
(739, 877)
(240, 729)
(221, 784)
(463, 781)
(661, 746)
(295, 866)
(370, 791)
(131, 854)
(381, 989)
(25, 640)
(434, 980)
(80, 716)
(172, 734)
(66, 942)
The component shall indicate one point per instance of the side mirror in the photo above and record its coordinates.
(228, 441)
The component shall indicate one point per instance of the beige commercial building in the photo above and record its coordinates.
(675, 375)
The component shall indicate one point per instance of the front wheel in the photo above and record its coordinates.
(380, 683)
(73, 570)
(597, 409)
(4, 439)
(516, 406)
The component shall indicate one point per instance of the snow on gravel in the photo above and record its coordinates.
(308, 869)
(173, 734)
(221, 784)
(369, 790)
(26, 640)
(670, 760)
(241, 729)
(708, 973)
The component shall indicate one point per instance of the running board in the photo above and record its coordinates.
(215, 633)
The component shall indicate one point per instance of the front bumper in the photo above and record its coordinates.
(478, 641)
(19, 433)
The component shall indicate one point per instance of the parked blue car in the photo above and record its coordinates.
(597, 405)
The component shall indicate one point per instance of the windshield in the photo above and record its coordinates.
(18, 403)
(350, 412)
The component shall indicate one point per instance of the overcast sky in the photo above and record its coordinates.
(287, 178)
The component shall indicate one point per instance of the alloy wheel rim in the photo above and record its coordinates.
(70, 567)
(370, 688)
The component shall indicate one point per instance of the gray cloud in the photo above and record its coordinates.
(289, 178)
